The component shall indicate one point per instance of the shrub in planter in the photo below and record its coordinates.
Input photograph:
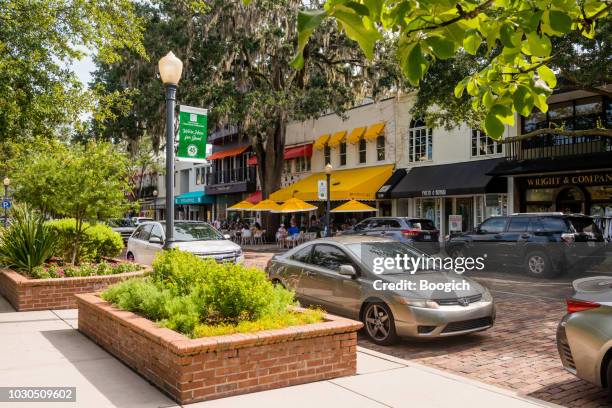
(99, 240)
(28, 242)
(199, 297)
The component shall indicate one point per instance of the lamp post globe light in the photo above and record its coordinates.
(6, 182)
(328, 171)
(170, 69)
(155, 193)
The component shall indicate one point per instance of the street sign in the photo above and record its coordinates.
(322, 190)
(192, 133)
(6, 204)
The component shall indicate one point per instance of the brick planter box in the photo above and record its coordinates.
(58, 293)
(191, 370)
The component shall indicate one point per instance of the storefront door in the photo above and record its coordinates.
(465, 208)
(571, 201)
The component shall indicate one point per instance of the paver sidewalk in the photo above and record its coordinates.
(44, 349)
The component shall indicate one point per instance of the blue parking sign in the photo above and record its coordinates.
(6, 204)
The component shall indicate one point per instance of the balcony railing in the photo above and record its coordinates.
(235, 175)
(547, 146)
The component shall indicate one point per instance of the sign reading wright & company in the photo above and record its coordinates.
(583, 179)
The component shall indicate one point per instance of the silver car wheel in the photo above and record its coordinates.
(378, 323)
(537, 264)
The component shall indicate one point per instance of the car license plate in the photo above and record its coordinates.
(426, 237)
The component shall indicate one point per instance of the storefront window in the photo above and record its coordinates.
(362, 151)
(483, 145)
(380, 148)
(342, 152)
(429, 208)
(539, 194)
(420, 142)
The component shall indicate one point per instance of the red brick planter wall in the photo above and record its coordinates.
(191, 370)
(44, 294)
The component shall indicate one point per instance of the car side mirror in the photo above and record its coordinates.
(156, 240)
(347, 270)
(226, 236)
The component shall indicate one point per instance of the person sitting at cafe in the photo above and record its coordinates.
(293, 229)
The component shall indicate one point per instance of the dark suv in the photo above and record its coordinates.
(419, 232)
(545, 244)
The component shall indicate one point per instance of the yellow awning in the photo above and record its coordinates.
(353, 206)
(374, 131)
(337, 138)
(356, 134)
(359, 184)
(321, 141)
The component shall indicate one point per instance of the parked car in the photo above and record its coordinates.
(544, 244)
(584, 335)
(420, 232)
(199, 238)
(139, 220)
(124, 226)
(338, 274)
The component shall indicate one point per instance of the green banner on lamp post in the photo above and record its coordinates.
(192, 133)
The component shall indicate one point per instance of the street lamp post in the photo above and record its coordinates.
(7, 182)
(170, 69)
(328, 171)
(155, 193)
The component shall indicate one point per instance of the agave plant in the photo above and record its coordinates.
(28, 242)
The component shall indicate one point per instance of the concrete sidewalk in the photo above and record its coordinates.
(45, 349)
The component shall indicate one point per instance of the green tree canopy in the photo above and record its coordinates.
(514, 73)
(81, 181)
(39, 94)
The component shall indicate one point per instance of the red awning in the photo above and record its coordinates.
(290, 153)
(227, 153)
(254, 197)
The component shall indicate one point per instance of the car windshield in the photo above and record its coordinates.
(390, 258)
(191, 231)
(120, 223)
(584, 224)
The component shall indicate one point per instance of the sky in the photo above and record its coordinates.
(83, 69)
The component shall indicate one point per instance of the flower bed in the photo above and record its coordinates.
(26, 294)
(191, 370)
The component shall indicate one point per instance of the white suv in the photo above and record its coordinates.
(198, 238)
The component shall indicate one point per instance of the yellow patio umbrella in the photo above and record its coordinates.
(353, 206)
(265, 205)
(241, 206)
(295, 205)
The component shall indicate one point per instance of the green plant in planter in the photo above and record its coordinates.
(28, 242)
(199, 297)
(98, 241)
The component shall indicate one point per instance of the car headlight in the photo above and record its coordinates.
(424, 303)
(238, 253)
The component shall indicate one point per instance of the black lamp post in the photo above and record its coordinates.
(155, 193)
(328, 171)
(7, 182)
(170, 69)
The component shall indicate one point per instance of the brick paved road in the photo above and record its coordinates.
(519, 353)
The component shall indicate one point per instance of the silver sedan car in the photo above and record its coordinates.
(584, 335)
(338, 274)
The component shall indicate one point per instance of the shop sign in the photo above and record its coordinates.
(582, 179)
(455, 223)
(192, 133)
(433, 193)
(491, 200)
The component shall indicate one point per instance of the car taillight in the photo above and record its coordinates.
(568, 238)
(411, 232)
(574, 305)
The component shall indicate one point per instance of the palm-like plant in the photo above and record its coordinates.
(28, 242)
